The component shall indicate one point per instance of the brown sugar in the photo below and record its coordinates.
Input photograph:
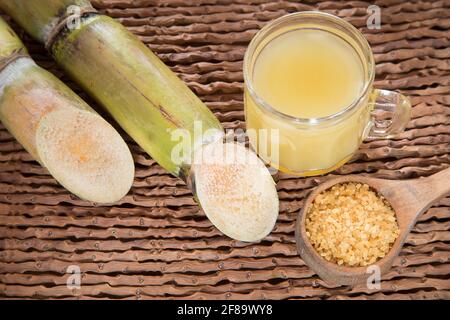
(350, 224)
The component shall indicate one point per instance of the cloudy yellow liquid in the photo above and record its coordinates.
(310, 74)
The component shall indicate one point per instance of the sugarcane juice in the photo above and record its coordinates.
(308, 74)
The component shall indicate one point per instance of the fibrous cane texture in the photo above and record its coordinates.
(235, 190)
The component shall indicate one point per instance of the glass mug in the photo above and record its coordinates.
(314, 146)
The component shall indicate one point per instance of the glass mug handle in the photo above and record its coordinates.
(391, 112)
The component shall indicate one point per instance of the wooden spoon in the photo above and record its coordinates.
(409, 198)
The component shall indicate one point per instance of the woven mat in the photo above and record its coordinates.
(156, 243)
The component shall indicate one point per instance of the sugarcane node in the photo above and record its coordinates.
(20, 53)
(62, 25)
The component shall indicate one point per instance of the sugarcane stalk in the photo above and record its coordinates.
(59, 130)
(140, 92)
(151, 103)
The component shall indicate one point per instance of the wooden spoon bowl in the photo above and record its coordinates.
(408, 198)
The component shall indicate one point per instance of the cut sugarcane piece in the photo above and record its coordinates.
(235, 190)
(79, 148)
(145, 97)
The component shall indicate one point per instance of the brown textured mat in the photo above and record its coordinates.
(156, 244)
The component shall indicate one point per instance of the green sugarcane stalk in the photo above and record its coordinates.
(29, 97)
(141, 93)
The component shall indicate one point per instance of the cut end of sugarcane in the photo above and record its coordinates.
(85, 154)
(235, 190)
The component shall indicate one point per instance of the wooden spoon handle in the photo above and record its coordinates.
(430, 189)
